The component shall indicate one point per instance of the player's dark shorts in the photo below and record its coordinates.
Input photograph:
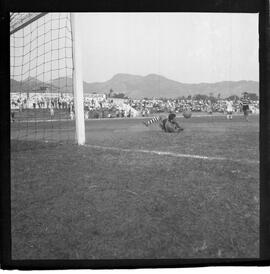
(229, 112)
(162, 124)
(246, 109)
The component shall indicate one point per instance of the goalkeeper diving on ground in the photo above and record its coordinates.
(166, 124)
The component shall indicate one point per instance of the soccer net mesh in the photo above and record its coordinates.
(41, 77)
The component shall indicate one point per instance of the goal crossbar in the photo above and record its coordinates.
(23, 20)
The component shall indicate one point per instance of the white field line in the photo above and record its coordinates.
(172, 154)
(111, 119)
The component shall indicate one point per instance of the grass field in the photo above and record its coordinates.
(135, 192)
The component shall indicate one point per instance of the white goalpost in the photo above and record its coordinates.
(46, 79)
(78, 80)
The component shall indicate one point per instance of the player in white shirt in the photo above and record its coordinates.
(51, 112)
(229, 109)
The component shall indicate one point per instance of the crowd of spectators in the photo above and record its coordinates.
(40, 101)
(101, 105)
(95, 106)
(147, 107)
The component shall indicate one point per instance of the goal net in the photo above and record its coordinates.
(42, 101)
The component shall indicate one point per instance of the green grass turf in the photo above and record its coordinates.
(71, 202)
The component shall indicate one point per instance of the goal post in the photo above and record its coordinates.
(46, 80)
(77, 80)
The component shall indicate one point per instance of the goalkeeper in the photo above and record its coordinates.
(170, 125)
(166, 124)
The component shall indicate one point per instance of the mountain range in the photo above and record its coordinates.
(136, 86)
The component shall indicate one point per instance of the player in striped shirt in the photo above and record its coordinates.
(153, 120)
(245, 105)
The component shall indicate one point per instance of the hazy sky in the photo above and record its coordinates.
(186, 47)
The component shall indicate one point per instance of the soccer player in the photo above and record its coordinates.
(13, 116)
(209, 107)
(245, 105)
(71, 115)
(229, 109)
(52, 112)
(71, 111)
(86, 114)
(171, 125)
(153, 120)
(166, 124)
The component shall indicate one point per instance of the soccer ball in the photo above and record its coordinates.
(187, 114)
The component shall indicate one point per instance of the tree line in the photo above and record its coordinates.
(198, 97)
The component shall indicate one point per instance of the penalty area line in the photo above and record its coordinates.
(173, 154)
